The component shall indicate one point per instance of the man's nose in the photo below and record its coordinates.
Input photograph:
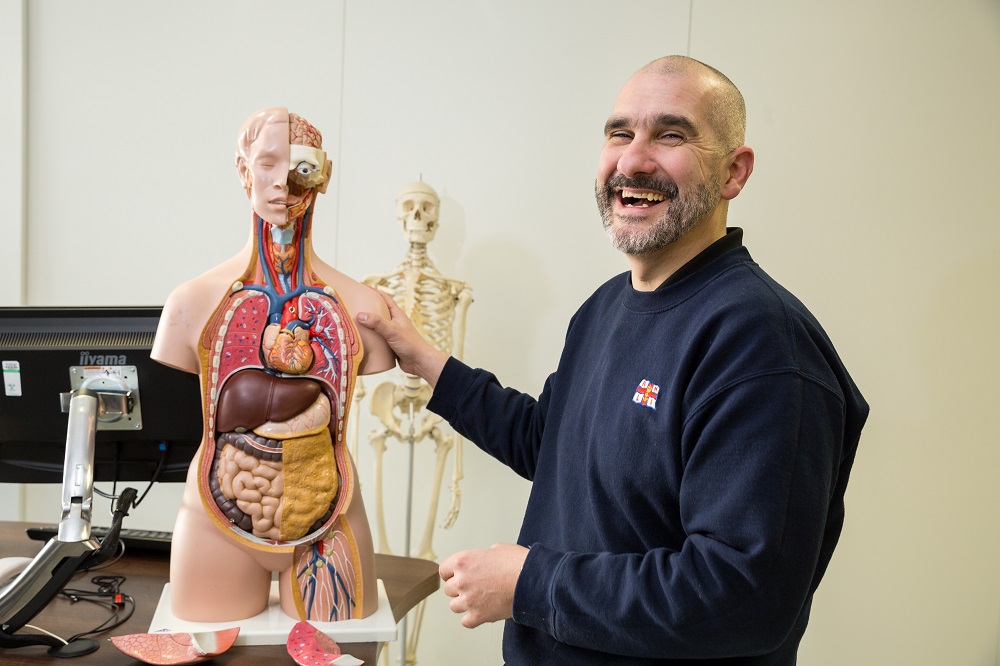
(636, 158)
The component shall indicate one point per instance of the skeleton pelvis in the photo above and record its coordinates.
(287, 351)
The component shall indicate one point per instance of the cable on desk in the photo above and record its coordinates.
(108, 595)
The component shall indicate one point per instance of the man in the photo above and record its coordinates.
(689, 455)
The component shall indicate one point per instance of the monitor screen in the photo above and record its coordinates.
(48, 351)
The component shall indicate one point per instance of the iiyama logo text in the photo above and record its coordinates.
(86, 358)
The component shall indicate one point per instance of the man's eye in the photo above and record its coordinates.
(671, 136)
(304, 169)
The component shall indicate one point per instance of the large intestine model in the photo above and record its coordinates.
(271, 335)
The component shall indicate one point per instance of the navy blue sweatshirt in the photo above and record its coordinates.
(689, 458)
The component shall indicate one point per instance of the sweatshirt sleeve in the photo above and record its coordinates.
(504, 422)
(761, 467)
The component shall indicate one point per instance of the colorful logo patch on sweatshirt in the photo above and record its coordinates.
(646, 394)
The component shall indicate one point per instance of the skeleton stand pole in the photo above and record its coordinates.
(403, 652)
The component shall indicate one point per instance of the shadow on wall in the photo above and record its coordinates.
(510, 330)
(450, 239)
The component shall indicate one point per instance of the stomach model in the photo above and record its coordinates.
(275, 473)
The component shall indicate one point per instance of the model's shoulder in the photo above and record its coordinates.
(359, 297)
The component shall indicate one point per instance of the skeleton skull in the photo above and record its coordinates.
(417, 211)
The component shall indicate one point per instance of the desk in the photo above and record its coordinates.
(407, 581)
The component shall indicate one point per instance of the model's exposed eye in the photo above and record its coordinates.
(304, 169)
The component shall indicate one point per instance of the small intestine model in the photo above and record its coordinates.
(270, 333)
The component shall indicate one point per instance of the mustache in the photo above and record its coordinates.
(641, 182)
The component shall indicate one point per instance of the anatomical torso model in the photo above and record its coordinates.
(270, 333)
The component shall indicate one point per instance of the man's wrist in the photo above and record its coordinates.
(432, 367)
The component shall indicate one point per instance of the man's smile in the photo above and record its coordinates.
(635, 199)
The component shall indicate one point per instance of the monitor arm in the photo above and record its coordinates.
(99, 399)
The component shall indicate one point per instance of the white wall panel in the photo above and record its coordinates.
(134, 110)
(12, 178)
(12, 193)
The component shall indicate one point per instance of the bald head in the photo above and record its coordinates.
(727, 112)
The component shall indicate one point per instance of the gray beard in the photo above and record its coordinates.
(683, 212)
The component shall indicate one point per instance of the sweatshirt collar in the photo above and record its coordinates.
(732, 240)
(667, 293)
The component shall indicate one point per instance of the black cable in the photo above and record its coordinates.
(108, 595)
(109, 544)
(156, 475)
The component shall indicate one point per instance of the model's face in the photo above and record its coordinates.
(661, 168)
(268, 171)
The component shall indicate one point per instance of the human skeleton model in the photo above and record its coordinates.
(437, 306)
(271, 335)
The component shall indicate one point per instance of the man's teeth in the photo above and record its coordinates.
(648, 196)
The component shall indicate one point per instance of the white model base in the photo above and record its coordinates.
(272, 626)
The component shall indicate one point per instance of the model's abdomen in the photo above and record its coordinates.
(274, 472)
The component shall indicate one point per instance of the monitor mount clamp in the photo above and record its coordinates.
(100, 402)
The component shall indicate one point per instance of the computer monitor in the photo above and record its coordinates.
(48, 351)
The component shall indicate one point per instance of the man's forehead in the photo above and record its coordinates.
(653, 99)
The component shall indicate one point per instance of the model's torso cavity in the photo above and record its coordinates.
(281, 355)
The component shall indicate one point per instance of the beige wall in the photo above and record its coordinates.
(876, 132)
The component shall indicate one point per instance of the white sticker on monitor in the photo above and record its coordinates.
(11, 378)
(101, 371)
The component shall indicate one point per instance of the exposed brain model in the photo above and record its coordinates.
(271, 334)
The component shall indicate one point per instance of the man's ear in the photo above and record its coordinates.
(740, 163)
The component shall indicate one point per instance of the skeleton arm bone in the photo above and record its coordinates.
(464, 300)
(377, 441)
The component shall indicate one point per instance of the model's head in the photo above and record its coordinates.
(673, 154)
(417, 209)
(281, 164)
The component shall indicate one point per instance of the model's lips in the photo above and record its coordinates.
(639, 199)
(278, 202)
